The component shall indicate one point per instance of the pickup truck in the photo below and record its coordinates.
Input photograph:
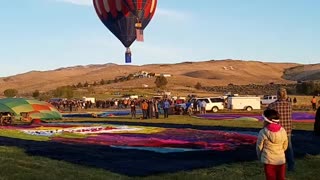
(268, 99)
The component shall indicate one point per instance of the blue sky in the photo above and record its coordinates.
(49, 34)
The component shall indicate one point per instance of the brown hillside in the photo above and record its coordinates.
(208, 73)
(303, 73)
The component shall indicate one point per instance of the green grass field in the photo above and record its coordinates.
(15, 163)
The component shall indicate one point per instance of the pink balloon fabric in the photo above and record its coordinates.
(296, 116)
(142, 137)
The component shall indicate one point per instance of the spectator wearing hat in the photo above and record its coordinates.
(271, 145)
(284, 108)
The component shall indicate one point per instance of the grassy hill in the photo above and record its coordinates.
(184, 75)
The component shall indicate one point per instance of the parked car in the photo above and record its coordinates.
(268, 99)
(214, 104)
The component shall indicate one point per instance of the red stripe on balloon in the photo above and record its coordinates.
(131, 4)
(139, 4)
(125, 9)
(147, 9)
(113, 8)
(40, 107)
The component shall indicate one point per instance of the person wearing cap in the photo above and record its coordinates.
(284, 108)
(271, 145)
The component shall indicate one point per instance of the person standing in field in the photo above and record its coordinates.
(314, 103)
(144, 107)
(195, 105)
(295, 100)
(166, 106)
(203, 106)
(271, 145)
(156, 110)
(133, 110)
(284, 108)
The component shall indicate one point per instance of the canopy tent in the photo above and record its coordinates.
(34, 108)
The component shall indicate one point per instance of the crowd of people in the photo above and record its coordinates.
(150, 107)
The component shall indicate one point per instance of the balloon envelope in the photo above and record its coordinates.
(120, 19)
(37, 109)
(116, 16)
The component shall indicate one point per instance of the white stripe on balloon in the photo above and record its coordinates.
(106, 5)
(153, 4)
(119, 5)
(98, 7)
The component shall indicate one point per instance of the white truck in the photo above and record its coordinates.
(268, 99)
(92, 99)
(245, 103)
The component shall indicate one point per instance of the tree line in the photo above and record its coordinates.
(69, 91)
(301, 88)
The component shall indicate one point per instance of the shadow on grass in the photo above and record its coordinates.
(144, 163)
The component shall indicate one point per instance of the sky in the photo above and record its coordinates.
(49, 34)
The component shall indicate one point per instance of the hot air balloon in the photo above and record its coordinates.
(118, 18)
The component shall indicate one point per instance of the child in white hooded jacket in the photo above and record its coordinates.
(271, 145)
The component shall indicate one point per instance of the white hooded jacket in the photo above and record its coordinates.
(271, 145)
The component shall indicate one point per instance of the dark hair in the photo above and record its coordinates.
(271, 114)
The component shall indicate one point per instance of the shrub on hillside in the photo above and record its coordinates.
(198, 86)
(64, 92)
(161, 81)
(36, 94)
(10, 92)
(308, 88)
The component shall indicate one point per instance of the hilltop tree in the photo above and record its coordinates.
(130, 76)
(10, 92)
(36, 94)
(102, 82)
(79, 85)
(64, 92)
(161, 81)
(198, 86)
(86, 84)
